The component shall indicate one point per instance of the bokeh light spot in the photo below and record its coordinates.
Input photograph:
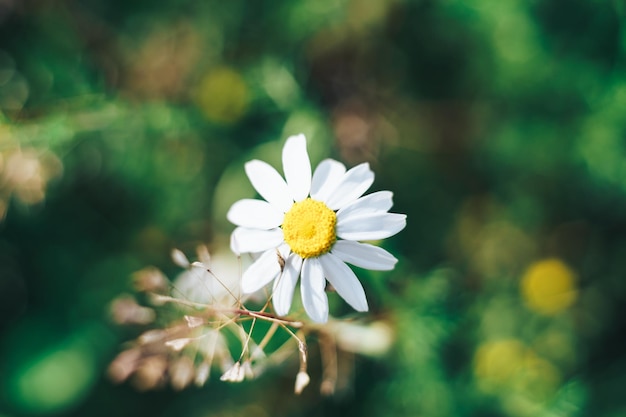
(510, 366)
(53, 381)
(496, 362)
(548, 286)
(223, 96)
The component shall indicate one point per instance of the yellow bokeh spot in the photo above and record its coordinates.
(309, 228)
(223, 96)
(497, 362)
(549, 286)
(510, 366)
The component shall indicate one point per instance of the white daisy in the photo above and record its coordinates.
(309, 226)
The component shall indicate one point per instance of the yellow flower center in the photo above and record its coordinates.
(309, 228)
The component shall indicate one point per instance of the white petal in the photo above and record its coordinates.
(256, 214)
(269, 184)
(297, 167)
(379, 201)
(326, 177)
(352, 186)
(364, 255)
(370, 226)
(313, 287)
(345, 282)
(285, 285)
(245, 240)
(261, 272)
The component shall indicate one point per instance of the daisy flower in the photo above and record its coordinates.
(309, 226)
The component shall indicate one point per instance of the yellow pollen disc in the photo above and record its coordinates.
(309, 228)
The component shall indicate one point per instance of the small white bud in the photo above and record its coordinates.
(179, 258)
(203, 254)
(151, 336)
(302, 380)
(235, 374)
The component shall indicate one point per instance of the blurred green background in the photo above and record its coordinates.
(500, 126)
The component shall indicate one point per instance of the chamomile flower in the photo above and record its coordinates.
(309, 227)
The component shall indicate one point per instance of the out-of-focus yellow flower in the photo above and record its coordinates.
(510, 366)
(549, 286)
(223, 96)
(497, 362)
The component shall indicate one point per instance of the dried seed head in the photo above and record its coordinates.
(150, 279)
(150, 373)
(327, 388)
(123, 365)
(125, 310)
